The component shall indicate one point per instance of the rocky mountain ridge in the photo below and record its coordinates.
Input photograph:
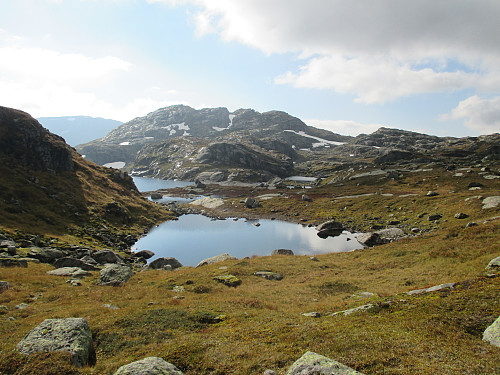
(245, 145)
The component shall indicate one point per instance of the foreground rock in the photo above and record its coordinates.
(228, 280)
(491, 202)
(69, 335)
(432, 289)
(269, 275)
(165, 263)
(115, 274)
(149, 366)
(493, 267)
(330, 228)
(315, 364)
(370, 239)
(4, 285)
(492, 333)
(75, 272)
(216, 259)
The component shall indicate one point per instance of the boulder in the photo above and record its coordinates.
(75, 272)
(149, 366)
(491, 202)
(144, 254)
(115, 274)
(282, 252)
(390, 233)
(432, 193)
(4, 285)
(493, 266)
(107, 256)
(492, 333)
(70, 335)
(46, 255)
(269, 275)
(370, 239)
(432, 289)
(208, 202)
(329, 228)
(315, 364)
(434, 217)
(156, 196)
(73, 262)
(461, 215)
(13, 262)
(252, 203)
(160, 263)
(228, 280)
(216, 259)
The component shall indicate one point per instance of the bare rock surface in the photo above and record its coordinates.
(149, 366)
(315, 364)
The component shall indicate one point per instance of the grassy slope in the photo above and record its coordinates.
(425, 334)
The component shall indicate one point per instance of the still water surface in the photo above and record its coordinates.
(152, 184)
(193, 238)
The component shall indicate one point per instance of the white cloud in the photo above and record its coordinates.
(344, 127)
(482, 115)
(377, 50)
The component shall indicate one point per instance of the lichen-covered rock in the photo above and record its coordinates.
(4, 285)
(216, 259)
(149, 366)
(492, 333)
(70, 335)
(69, 271)
(160, 263)
(228, 280)
(73, 262)
(115, 274)
(493, 266)
(315, 364)
(369, 239)
(107, 256)
(282, 252)
(269, 275)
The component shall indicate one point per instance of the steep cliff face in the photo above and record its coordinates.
(47, 187)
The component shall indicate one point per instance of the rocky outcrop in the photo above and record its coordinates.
(493, 267)
(165, 263)
(315, 364)
(149, 366)
(71, 335)
(216, 259)
(115, 274)
(492, 333)
(282, 252)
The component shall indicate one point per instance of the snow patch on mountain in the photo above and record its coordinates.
(321, 142)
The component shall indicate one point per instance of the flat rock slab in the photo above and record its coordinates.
(69, 335)
(115, 274)
(269, 275)
(432, 289)
(315, 364)
(69, 271)
(362, 308)
(73, 262)
(208, 202)
(491, 202)
(492, 333)
(216, 259)
(149, 366)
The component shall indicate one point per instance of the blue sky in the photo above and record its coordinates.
(348, 66)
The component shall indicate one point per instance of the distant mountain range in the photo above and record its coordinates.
(79, 129)
(213, 144)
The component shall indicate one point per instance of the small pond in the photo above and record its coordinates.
(152, 184)
(193, 238)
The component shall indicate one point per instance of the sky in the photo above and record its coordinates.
(349, 66)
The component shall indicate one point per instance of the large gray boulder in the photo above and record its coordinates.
(370, 239)
(330, 228)
(162, 263)
(73, 262)
(216, 259)
(149, 366)
(46, 255)
(493, 266)
(492, 333)
(69, 335)
(4, 285)
(115, 274)
(75, 272)
(315, 364)
(107, 256)
(252, 203)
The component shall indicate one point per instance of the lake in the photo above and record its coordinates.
(152, 184)
(193, 238)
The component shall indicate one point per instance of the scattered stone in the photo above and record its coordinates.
(434, 217)
(149, 366)
(156, 196)
(314, 259)
(4, 285)
(363, 295)
(491, 177)
(216, 259)
(370, 239)
(256, 224)
(269, 372)
(74, 282)
(144, 254)
(315, 364)
(110, 306)
(329, 228)
(491, 202)
(415, 230)
(269, 275)
(21, 306)
(252, 203)
(492, 333)
(160, 263)
(461, 215)
(73, 262)
(107, 256)
(75, 272)
(471, 224)
(115, 274)
(282, 252)
(208, 202)
(366, 307)
(432, 193)
(70, 335)
(228, 280)
(493, 267)
(390, 233)
(432, 289)
(46, 255)
(306, 198)
(12, 262)
(3, 309)
(475, 185)
(313, 314)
